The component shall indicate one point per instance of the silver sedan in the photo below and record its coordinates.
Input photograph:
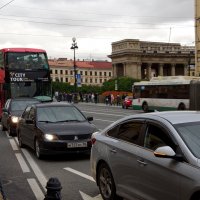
(149, 156)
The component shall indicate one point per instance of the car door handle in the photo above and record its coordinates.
(142, 162)
(113, 150)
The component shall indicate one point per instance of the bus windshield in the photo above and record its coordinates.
(30, 89)
(26, 60)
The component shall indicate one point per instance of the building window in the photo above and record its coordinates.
(61, 79)
(81, 72)
(66, 72)
(61, 71)
(86, 73)
(100, 80)
(90, 73)
(95, 73)
(105, 80)
(66, 80)
(104, 73)
(95, 80)
(86, 80)
(100, 73)
(71, 72)
(110, 74)
(91, 80)
(56, 71)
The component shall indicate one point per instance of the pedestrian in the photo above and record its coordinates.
(118, 100)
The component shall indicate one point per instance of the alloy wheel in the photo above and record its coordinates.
(106, 183)
(37, 149)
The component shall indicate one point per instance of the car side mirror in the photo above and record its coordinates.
(168, 152)
(164, 152)
(90, 119)
(29, 121)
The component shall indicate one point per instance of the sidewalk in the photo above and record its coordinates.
(14, 181)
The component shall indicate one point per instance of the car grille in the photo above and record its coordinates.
(71, 137)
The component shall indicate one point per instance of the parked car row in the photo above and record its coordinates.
(48, 128)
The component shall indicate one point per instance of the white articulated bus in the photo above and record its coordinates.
(163, 93)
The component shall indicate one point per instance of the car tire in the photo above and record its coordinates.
(38, 150)
(106, 183)
(20, 143)
(181, 106)
(145, 107)
(10, 133)
(3, 127)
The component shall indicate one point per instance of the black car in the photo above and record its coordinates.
(55, 128)
(12, 111)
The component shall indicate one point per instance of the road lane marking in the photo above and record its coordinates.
(40, 176)
(13, 144)
(79, 173)
(87, 197)
(36, 189)
(22, 163)
(103, 120)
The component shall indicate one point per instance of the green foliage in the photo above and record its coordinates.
(124, 84)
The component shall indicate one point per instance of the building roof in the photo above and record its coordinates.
(80, 64)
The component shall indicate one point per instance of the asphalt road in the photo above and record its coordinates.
(73, 171)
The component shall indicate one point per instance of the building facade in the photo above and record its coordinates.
(197, 36)
(90, 72)
(144, 60)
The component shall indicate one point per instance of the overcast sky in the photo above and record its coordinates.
(51, 24)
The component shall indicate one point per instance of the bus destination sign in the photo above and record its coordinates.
(27, 77)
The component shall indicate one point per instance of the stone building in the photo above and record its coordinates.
(197, 36)
(91, 72)
(143, 60)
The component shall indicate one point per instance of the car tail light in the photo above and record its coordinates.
(93, 140)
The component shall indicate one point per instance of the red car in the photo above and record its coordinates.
(127, 102)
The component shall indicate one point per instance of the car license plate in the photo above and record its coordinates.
(76, 144)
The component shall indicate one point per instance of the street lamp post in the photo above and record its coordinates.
(74, 47)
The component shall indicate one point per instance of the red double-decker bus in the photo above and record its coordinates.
(24, 72)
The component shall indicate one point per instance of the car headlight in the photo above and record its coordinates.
(14, 119)
(50, 137)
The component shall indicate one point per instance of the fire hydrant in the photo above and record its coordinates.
(53, 189)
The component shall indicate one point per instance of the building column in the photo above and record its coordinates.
(185, 69)
(114, 70)
(173, 72)
(139, 74)
(160, 72)
(124, 65)
(149, 71)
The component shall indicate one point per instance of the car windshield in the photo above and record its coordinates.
(59, 114)
(21, 105)
(190, 133)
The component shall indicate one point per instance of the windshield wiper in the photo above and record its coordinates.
(71, 120)
(46, 121)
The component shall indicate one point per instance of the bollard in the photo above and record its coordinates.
(53, 189)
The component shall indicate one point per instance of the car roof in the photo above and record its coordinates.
(174, 117)
(54, 104)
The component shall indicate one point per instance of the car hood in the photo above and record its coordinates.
(72, 128)
(16, 113)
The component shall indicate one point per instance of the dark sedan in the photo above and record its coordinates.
(12, 111)
(55, 128)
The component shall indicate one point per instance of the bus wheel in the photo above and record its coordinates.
(145, 107)
(181, 106)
